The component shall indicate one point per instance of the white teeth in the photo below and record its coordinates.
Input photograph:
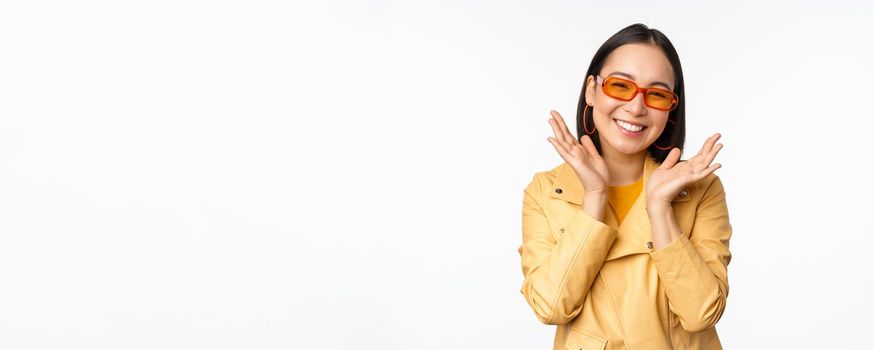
(629, 127)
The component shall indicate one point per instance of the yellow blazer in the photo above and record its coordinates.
(602, 284)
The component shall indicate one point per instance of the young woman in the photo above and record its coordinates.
(623, 245)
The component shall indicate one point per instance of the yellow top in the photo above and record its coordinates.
(621, 198)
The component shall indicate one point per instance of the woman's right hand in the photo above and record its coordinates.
(582, 156)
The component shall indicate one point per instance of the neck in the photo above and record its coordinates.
(624, 168)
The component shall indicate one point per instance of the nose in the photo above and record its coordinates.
(636, 106)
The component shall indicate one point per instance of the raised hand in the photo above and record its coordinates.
(582, 156)
(669, 178)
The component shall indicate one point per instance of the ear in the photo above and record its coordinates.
(590, 89)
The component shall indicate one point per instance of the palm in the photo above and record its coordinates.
(669, 178)
(582, 156)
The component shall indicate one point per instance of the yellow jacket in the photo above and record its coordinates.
(603, 286)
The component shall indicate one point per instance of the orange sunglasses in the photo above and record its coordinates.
(625, 90)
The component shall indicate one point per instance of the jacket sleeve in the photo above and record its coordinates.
(694, 269)
(559, 272)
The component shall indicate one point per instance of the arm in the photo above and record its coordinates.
(694, 269)
(558, 274)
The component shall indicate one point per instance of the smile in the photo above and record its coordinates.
(629, 128)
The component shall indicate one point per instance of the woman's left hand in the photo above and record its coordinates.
(669, 178)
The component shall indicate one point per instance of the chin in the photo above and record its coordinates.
(630, 150)
(626, 147)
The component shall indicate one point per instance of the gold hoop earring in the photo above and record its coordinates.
(585, 109)
(665, 148)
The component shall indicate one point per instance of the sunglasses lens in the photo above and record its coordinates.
(625, 90)
(619, 88)
(659, 99)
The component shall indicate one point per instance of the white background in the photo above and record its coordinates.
(269, 175)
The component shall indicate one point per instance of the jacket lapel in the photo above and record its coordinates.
(635, 231)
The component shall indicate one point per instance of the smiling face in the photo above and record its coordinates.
(630, 127)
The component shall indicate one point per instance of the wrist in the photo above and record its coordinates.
(598, 198)
(597, 195)
(594, 204)
(657, 205)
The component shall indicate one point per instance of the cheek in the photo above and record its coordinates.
(660, 122)
(605, 108)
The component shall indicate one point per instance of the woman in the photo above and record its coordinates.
(624, 246)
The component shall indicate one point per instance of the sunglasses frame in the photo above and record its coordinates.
(674, 102)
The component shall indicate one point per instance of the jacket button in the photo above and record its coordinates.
(562, 230)
(558, 190)
(649, 245)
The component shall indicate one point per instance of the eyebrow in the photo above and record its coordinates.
(629, 76)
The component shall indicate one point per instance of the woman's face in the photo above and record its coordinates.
(647, 66)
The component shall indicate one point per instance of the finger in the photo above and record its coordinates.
(712, 154)
(567, 134)
(558, 147)
(671, 159)
(556, 129)
(709, 170)
(586, 141)
(703, 147)
(708, 144)
(561, 138)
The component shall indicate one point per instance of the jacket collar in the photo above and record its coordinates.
(635, 231)
(569, 188)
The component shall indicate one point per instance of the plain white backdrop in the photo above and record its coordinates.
(333, 175)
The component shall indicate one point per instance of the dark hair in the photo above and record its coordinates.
(674, 134)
